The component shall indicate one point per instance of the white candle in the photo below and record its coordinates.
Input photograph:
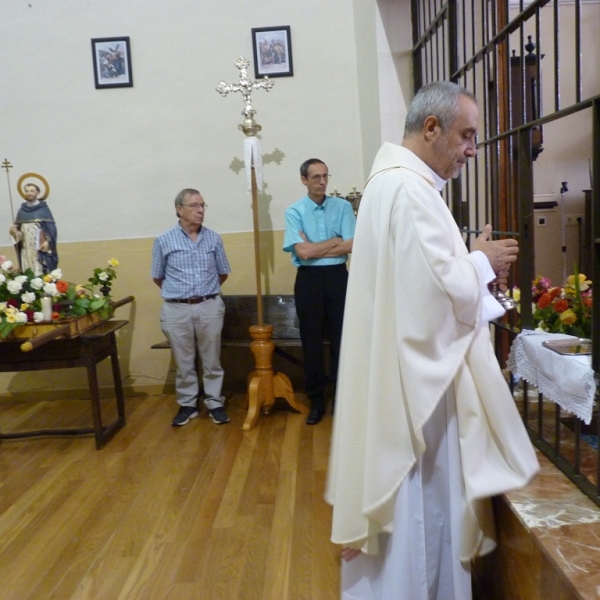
(47, 308)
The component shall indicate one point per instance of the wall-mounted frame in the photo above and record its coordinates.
(272, 51)
(112, 62)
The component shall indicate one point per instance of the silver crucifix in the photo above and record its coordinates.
(250, 127)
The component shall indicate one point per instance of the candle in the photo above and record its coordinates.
(47, 308)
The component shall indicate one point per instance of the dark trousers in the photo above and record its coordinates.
(320, 297)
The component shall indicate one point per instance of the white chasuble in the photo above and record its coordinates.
(412, 331)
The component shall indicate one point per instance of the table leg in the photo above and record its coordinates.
(95, 400)
(116, 370)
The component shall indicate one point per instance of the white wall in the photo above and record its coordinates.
(115, 158)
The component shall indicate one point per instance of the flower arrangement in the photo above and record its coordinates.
(21, 296)
(566, 309)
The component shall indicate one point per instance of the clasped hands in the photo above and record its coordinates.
(500, 253)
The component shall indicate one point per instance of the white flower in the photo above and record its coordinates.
(21, 278)
(21, 317)
(14, 287)
(28, 297)
(56, 274)
(103, 276)
(6, 265)
(38, 317)
(50, 289)
(37, 283)
(2, 278)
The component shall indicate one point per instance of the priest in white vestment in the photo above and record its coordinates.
(425, 429)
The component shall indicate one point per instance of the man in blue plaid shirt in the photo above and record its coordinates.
(189, 266)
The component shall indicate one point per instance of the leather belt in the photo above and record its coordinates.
(194, 300)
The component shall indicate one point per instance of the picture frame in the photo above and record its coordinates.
(272, 47)
(112, 62)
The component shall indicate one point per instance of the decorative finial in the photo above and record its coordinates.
(6, 165)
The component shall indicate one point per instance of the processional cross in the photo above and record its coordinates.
(264, 385)
(245, 86)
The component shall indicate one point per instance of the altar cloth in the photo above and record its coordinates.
(566, 380)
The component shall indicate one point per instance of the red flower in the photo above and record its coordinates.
(56, 307)
(544, 301)
(62, 286)
(560, 305)
(587, 302)
(12, 302)
(29, 314)
(55, 316)
(554, 292)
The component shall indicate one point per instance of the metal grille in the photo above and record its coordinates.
(525, 63)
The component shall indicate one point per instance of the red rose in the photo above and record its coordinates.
(12, 302)
(62, 286)
(554, 292)
(560, 305)
(587, 302)
(55, 316)
(29, 314)
(544, 301)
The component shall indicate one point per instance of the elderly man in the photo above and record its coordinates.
(426, 429)
(34, 234)
(318, 233)
(189, 265)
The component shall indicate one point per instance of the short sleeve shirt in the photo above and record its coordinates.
(187, 268)
(333, 218)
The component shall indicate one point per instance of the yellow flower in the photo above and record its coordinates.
(584, 283)
(11, 317)
(24, 306)
(516, 294)
(113, 262)
(568, 317)
(47, 278)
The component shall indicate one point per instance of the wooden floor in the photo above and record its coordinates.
(194, 512)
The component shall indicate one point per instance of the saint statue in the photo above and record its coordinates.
(34, 234)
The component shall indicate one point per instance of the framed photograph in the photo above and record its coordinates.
(272, 51)
(112, 62)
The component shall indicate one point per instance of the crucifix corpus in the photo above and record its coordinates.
(264, 385)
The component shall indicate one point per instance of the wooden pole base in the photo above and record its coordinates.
(263, 384)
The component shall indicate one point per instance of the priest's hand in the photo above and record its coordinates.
(349, 553)
(500, 253)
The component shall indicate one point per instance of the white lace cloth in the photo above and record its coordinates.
(566, 380)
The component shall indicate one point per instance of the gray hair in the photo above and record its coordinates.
(182, 196)
(439, 99)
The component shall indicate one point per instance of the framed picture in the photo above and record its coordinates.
(112, 62)
(272, 51)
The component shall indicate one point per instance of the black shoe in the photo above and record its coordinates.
(219, 415)
(314, 416)
(185, 414)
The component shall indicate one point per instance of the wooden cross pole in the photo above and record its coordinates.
(264, 385)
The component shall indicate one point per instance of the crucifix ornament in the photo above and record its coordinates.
(250, 127)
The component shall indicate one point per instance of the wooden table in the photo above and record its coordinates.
(85, 350)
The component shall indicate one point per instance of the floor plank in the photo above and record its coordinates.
(197, 512)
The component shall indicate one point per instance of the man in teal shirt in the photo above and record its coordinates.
(319, 230)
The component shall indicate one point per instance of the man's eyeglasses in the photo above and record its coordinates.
(320, 177)
(196, 206)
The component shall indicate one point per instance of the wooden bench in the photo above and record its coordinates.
(241, 313)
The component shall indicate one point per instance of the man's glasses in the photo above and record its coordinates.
(196, 206)
(320, 177)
